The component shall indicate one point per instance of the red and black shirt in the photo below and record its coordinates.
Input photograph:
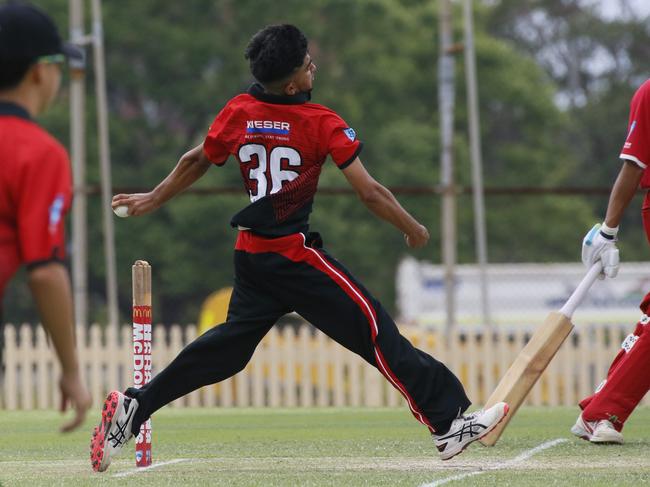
(35, 193)
(281, 143)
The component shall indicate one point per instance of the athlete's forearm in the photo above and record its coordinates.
(191, 166)
(622, 193)
(384, 204)
(50, 287)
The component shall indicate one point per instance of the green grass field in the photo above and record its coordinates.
(328, 447)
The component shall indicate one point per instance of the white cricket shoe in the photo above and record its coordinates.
(114, 430)
(601, 431)
(468, 428)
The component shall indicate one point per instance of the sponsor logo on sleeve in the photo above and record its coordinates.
(350, 133)
(56, 212)
(628, 144)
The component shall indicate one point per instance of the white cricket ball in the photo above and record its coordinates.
(122, 211)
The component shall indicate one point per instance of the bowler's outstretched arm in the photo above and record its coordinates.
(191, 166)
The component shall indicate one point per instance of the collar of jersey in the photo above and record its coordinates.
(9, 108)
(257, 90)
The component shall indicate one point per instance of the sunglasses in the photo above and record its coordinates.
(51, 59)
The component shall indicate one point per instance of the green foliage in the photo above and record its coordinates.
(172, 66)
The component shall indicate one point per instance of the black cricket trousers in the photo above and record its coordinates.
(275, 276)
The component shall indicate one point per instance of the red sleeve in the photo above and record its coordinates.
(342, 142)
(44, 199)
(216, 146)
(637, 143)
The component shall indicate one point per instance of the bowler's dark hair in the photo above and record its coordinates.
(275, 52)
(12, 73)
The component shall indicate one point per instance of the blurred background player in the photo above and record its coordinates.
(281, 141)
(35, 184)
(604, 413)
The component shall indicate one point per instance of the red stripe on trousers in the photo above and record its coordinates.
(293, 248)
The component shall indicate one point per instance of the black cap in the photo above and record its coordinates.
(27, 33)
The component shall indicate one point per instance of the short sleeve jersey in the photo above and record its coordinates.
(281, 143)
(637, 143)
(35, 193)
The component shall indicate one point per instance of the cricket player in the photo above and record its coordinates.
(281, 140)
(35, 184)
(604, 413)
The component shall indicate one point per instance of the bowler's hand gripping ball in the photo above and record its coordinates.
(122, 211)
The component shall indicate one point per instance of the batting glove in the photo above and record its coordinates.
(600, 244)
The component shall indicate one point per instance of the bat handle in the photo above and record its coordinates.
(581, 291)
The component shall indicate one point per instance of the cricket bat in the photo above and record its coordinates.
(536, 355)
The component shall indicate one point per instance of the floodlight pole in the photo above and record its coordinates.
(446, 95)
(477, 162)
(78, 159)
(105, 164)
(477, 186)
(78, 156)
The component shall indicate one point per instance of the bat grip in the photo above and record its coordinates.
(581, 291)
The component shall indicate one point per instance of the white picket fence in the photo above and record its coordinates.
(302, 367)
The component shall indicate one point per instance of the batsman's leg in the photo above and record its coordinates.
(626, 384)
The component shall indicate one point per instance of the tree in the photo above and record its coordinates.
(172, 66)
(597, 62)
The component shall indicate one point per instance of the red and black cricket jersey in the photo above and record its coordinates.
(281, 143)
(637, 143)
(35, 193)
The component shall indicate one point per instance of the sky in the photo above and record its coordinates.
(613, 7)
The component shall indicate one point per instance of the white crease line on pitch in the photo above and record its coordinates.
(150, 467)
(519, 458)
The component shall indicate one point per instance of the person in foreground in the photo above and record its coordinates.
(35, 185)
(281, 141)
(604, 413)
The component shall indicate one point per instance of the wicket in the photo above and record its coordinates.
(141, 276)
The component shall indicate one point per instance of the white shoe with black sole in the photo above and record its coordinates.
(468, 428)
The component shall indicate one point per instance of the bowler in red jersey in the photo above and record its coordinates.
(281, 141)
